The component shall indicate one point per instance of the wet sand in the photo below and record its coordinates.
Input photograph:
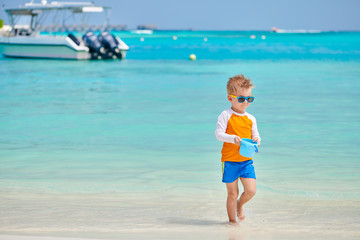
(162, 216)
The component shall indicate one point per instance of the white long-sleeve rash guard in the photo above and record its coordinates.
(222, 123)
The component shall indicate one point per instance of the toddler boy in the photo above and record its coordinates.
(234, 124)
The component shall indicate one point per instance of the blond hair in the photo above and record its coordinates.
(238, 82)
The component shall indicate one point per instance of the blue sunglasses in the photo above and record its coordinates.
(242, 99)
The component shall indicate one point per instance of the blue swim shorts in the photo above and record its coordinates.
(234, 170)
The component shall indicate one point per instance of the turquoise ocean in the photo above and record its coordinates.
(128, 147)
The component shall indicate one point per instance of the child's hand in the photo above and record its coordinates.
(237, 140)
(256, 139)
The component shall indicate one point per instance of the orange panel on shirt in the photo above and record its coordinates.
(240, 126)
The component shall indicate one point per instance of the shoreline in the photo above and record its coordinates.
(173, 216)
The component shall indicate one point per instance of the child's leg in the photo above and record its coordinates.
(249, 185)
(233, 193)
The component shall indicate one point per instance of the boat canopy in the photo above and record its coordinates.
(36, 8)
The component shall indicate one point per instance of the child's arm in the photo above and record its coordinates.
(220, 131)
(255, 136)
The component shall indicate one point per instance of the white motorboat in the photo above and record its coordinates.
(27, 42)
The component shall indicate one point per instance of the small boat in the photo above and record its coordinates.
(277, 30)
(142, 31)
(27, 42)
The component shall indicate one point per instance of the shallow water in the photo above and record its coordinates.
(132, 142)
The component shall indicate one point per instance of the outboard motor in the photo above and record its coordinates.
(91, 41)
(110, 44)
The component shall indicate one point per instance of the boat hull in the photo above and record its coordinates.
(41, 51)
(44, 47)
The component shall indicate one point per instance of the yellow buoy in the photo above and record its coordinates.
(192, 57)
(175, 37)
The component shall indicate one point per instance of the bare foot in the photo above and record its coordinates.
(233, 223)
(241, 214)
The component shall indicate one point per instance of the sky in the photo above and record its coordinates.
(322, 15)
